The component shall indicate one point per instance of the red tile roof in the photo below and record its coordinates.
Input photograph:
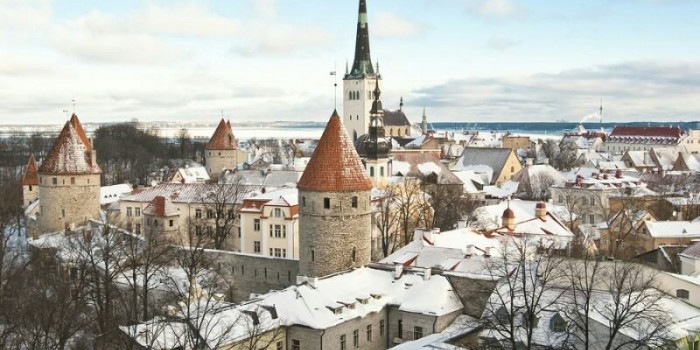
(658, 131)
(69, 155)
(161, 207)
(81, 132)
(223, 138)
(31, 175)
(335, 165)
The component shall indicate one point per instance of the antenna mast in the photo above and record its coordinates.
(601, 112)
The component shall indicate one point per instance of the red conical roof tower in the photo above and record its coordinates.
(223, 138)
(31, 173)
(81, 132)
(335, 165)
(70, 154)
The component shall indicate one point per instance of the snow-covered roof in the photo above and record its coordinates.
(673, 229)
(111, 194)
(193, 174)
(190, 193)
(506, 189)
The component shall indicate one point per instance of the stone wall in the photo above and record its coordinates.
(30, 193)
(333, 239)
(248, 273)
(67, 200)
(218, 160)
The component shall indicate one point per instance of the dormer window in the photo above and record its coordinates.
(557, 324)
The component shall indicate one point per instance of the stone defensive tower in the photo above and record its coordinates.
(359, 81)
(69, 181)
(30, 183)
(334, 206)
(221, 150)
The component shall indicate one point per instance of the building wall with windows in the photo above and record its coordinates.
(332, 338)
(407, 326)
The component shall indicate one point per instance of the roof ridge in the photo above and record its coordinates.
(223, 138)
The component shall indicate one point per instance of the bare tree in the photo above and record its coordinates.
(526, 289)
(386, 219)
(222, 204)
(412, 207)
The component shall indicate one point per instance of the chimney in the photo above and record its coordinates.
(508, 219)
(398, 270)
(579, 180)
(93, 158)
(618, 173)
(487, 252)
(426, 273)
(541, 211)
(470, 250)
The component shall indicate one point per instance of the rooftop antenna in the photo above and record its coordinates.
(601, 112)
(335, 85)
(73, 100)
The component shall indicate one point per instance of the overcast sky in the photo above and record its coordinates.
(267, 60)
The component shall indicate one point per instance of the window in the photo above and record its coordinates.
(278, 253)
(210, 214)
(284, 253)
(417, 332)
(148, 222)
(278, 231)
(296, 345)
(73, 273)
(682, 293)
(155, 223)
(171, 223)
(326, 203)
(30, 188)
(54, 181)
(342, 342)
(371, 171)
(128, 212)
(381, 328)
(400, 330)
(354, 254)
(239, 231)
(278, 213)
(198, 213)
(313, 257)
(558, 324)
(369, 332)
(512, 169)
(137, 211)
(229, 214)
(303, 202)
(284, 231)
(271, 230)
(72, 181)
(279, 345)
(354, 201)
(271, 252)
(591, 218)
(256, 224)
(138, 229)
(256, 246)
(381, 171)
(356, 338)
(63, 213)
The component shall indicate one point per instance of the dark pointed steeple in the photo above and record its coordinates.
(377, 145)
(362, 65)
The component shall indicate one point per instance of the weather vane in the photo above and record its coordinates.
(335, 86)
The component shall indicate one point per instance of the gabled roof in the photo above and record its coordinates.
(423, 165)
(395, 118)
(81, 132)
(482, 159)
(31, 175)
(69, 154)
(335, 165)
(659, 131)
(223, 138)
(161, 207)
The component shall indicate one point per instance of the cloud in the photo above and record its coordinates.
(280, 39)
(501, 43)
(496, 9)
(22, 65)
(389, 25)
(631, 91)
(24, 16)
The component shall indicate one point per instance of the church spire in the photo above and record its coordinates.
(362, 65)
(376, 144)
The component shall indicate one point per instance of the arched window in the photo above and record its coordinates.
(406, 131)
(350, 95)
(391, 132)
(354, 135)
(399, 132)
(371, 171)
(682, 293)
(354, 202)
(381, 171)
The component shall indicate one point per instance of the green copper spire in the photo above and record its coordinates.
(362, 65)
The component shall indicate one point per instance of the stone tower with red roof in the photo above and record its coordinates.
(69, 181)
(30, 183)
(334, 206)
(221, 150)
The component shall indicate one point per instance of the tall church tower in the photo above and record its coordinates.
(376, 145)
(69, 181)
(359, 82)
(334, 206)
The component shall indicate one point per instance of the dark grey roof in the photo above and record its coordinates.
(693, 251)
(445, 177)
(495, 158)
(395, 118)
